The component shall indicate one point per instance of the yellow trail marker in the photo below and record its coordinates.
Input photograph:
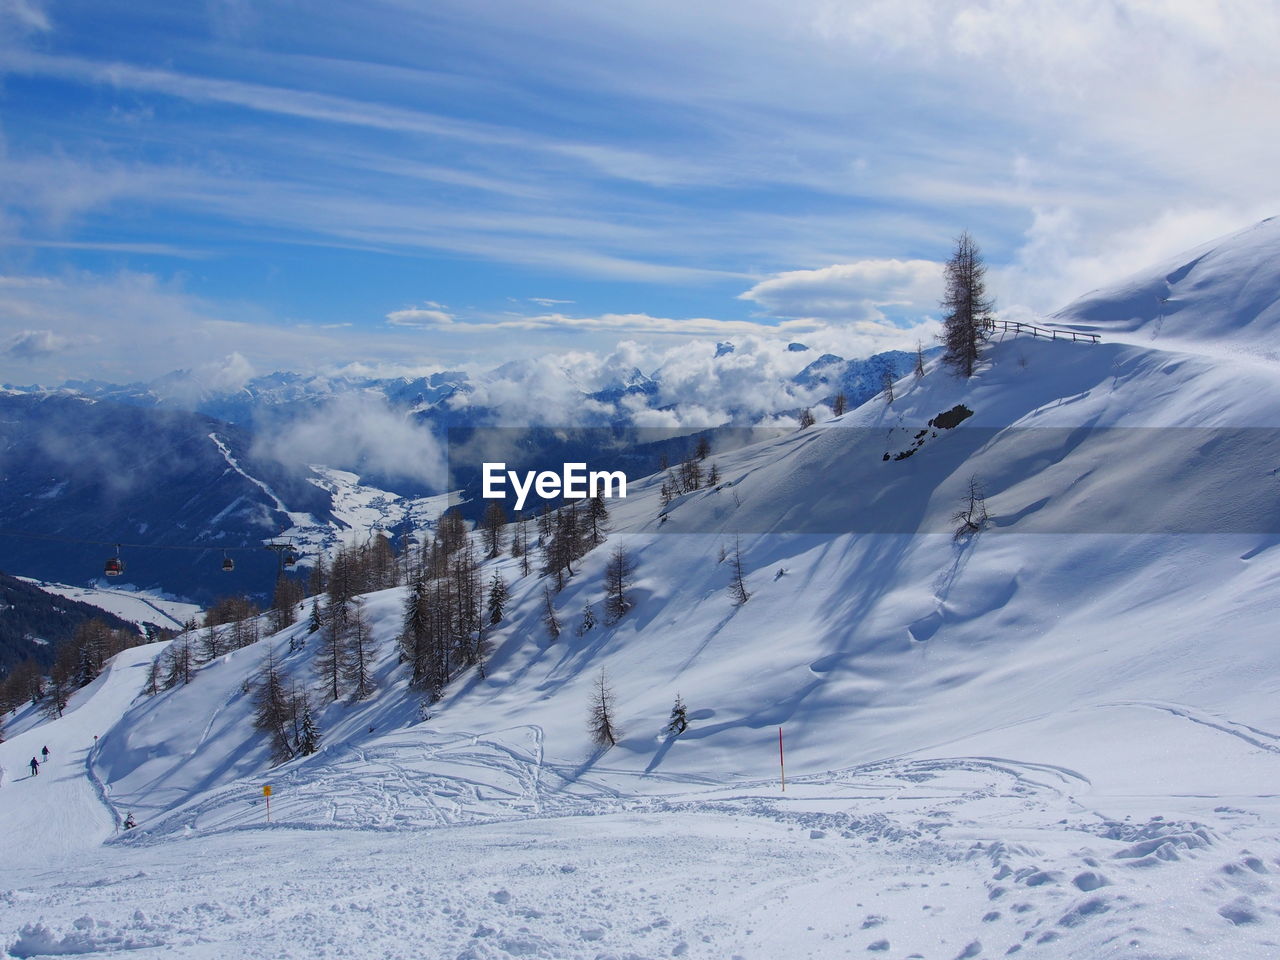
(266, 792)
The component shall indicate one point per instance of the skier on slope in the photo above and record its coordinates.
(35, 767)
(44, 755)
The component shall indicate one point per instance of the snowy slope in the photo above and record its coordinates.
(60, 813)
(1219, 298)
(1058, 737)
(136, 606)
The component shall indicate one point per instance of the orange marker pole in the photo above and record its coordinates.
(266, 792)
(782, 763)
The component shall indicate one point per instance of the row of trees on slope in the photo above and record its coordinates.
(450, 609)
(77, 663)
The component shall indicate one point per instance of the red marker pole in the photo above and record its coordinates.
(782, 763)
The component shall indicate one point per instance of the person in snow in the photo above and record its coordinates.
(129, 822)
(44, 754)
(35, 767)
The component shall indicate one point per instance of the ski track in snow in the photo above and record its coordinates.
(420, 843)
(1242, 731)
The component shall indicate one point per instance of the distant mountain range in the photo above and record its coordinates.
(170, 465)
(447, 398)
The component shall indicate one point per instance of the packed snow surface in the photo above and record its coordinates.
(136, 606)
(1032, 742)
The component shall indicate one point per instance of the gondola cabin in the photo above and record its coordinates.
(113, 567)
(290, 558)
(228, 564)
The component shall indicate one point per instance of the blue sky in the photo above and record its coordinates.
(414, 185)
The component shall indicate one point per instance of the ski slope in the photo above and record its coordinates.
(60, 813)
(136, 606)
(1060, 738)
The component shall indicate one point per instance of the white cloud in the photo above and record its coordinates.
(24, 16)
(1061, 259)
(852, 291)
(421, 317)
(133, 326)
(359, 432)
(29, 344)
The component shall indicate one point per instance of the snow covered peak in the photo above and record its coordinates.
(1223, 296)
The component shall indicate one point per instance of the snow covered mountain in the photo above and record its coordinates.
(574, 396)
(1058, 736)
(81, 475)
(288, 446)
(33, 621)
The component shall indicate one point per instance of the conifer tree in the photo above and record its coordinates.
(284, 602)
(588, 621)
(346, 580)
(307, 735)
(597, 520)
(360, 655)
(451, 531)
(520, 546)
(678, 723)
(549, 618)
(315, 623)
(601, 723)
(966, 320)
(416, 636)
(565, 545)
(806, 419)
(273, 710)
(381, 569)
(465, 590)
(886, 387)
(333, 658)
(690, 475)
(318, 578)
(617, 579)
(212, 644)
(840, 405)
(152, 684)
(919, 368)
(713, 475)
(492, 524)
(244, 631)
(28, 679)
(179, 659)
(737, 583)
(56, 694)
(497, 599)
